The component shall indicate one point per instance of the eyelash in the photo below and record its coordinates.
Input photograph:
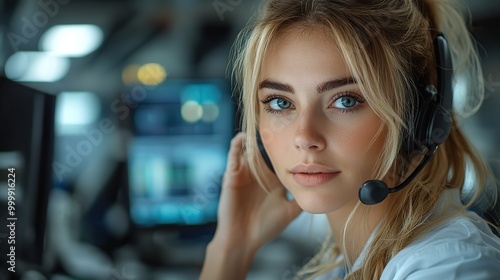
(270, 98)
(349, 94)
(337, 97)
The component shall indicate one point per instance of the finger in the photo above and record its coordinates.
(235, 153)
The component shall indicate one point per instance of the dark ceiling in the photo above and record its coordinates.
(189, 38)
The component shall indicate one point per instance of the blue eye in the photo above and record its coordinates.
(279, 104)
(345, 102)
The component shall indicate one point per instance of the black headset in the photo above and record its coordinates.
(431, 125)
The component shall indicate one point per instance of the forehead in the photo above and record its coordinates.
(303, 53)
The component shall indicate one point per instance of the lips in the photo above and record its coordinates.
(313, 174)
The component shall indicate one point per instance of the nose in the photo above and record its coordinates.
(309, 135)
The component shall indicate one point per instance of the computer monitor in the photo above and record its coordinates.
(177, 154)
(26, 150)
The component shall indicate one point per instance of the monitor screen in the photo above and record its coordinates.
(177, 154)
(26, 152)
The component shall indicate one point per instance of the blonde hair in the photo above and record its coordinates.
(387, 45)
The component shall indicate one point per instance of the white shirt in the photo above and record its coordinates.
(462, 248)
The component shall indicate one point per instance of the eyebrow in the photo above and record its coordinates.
(329, 85)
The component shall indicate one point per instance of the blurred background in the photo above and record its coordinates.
(116, 120)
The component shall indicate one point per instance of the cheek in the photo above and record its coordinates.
(271, 125)
(277, 137)
(361, 146)
(274, 130)
(272, 136)
(361, 135)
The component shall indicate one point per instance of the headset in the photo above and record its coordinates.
(432, 124)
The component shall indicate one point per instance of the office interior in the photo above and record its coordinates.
(117, 117)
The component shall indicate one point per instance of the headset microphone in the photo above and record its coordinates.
(375, 191)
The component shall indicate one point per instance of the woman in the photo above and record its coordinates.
(335, 89)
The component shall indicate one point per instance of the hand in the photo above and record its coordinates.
(248, 217)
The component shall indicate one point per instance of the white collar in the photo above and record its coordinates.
(451, 195)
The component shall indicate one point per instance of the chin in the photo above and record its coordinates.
(320, 203)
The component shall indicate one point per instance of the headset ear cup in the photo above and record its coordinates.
(425, 121)
(442, 117)
(263, 152)
(431, 123)
(418, 122)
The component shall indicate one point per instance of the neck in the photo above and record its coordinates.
(360, 225)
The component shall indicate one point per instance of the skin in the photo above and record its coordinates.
(335, 129)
